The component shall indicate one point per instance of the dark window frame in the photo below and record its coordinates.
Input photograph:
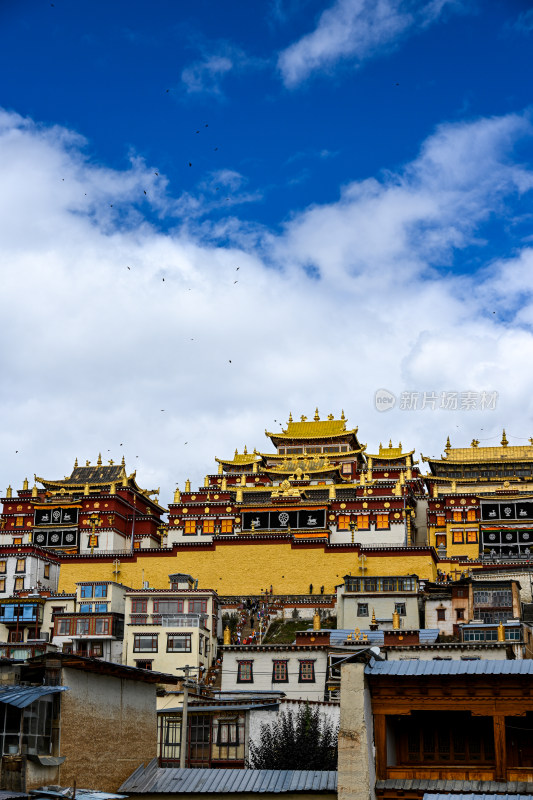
(241, 667)
(280, 663)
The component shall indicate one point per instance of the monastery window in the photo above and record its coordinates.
(458, 537)
(100, 607)
(371, 585)
(82, 627)
(245, 672)
(226, 526)
(63, 627)
(209, 526)
(441, 520)
(471, 537)
(2, 584)
(331, 449)
(21, 565)
(20, 522)
(136, 544)
(101, 626)
(400, 609)
(47, 570)
(471, 515)
(388, 584)
(17, 541)
(343, 522)
(144, 664)
(178, 642)
(189, 527)
(346, 469)
(3, 567)
(362, 609)
(145, 643)
(228, 733)
(100, 590)
(86, 591)
(382, 521)
(139, 605)
(19, 584)
(363, 522)
(457, 516)
(313, 449)
(306, 672)
(197, 606)
(280, 672)
(295, 449)
(86, 608)
(441, 614)
(456, 738)
(15, 636)
(460, 613)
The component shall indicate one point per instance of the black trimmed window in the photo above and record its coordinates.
(228, 733)
(144, 664)
(145, 643)
(178, 642)
(400, 609)
(362, 609)
(306, 673)
(280, 671)
(245, 672)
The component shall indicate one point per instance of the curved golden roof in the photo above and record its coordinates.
(239, 460)
(314, 429)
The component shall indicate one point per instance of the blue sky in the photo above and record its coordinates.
(366, 165)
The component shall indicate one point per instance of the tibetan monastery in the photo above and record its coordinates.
(481, 501)
(319, 486)
(97, 508)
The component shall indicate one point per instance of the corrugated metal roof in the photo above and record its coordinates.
(222, 707)
(443, 788)
(154, 780)
(428, 635)
(484, 796)
(22, 696)
(436, 667)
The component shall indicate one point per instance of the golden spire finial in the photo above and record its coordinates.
(374, 617)
(245, 450)
(290, 416)
(220, 469)
(316, 417)
(123, 462)
(99, 461)
(342, 415)
(400, 446)
(177, 495)
(34, 490)
(236, 453)
(76, 462)
(390, 444)
(87, 463)
(187, 485)
(9, 492)
(25, 484)
(206, 481)
(504, 439)
(448, 445)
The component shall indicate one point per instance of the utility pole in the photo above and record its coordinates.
(183, 743)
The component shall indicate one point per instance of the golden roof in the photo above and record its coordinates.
(390, 452)
(480, 455)
(314, 429)
(238, 460)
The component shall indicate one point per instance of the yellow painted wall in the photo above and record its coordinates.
(248, 568)
(466, 551)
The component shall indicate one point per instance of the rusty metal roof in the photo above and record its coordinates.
(155, 780)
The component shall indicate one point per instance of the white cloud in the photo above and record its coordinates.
(348, 298)
(356, 30)
(205, 76)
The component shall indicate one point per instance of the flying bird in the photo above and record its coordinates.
(156, 173)
(230, 361)
(144, 190)
(235, 281)
(190, 165)
(129, 267)
(215, 149)
(237, 268)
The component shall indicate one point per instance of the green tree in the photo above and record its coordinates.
(296, 741)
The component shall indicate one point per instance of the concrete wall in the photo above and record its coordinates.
(108, 727)
(262, 672)
(395, 535)
(356, 768)
(330, 712)
(383, 606)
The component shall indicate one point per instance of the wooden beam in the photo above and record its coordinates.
(500, 747)
(380, 740)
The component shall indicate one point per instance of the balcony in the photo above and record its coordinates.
(170, 620)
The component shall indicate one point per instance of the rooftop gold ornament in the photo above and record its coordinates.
(474, 443)
(395, 620)
(187, 485)
(113, 489)
(317, 416)
(177, 495)
(290, 416)
(34, 490)
(501, 632)
(504, 441)
(25, 485)
(227, 635)
(220, 469)
(99, 461)
(123, 462)
(86, 489)
(76, 462)
(316, 621)
(448, 445)
(206, 481)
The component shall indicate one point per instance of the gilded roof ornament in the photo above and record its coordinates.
(330, 417)
(303, 418)
(245, 450)
(86, 489)
(317, 416)
(390, 444)
(187, 485)
(99, 461)
(290, 416)
(504, 441)
(448, 445)
(9, 492)
(87, 463)
(76, 462)
(123, 462)
(25, 484)
(342, 415)
(474, 443)
(177, 495)
(34, 490)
